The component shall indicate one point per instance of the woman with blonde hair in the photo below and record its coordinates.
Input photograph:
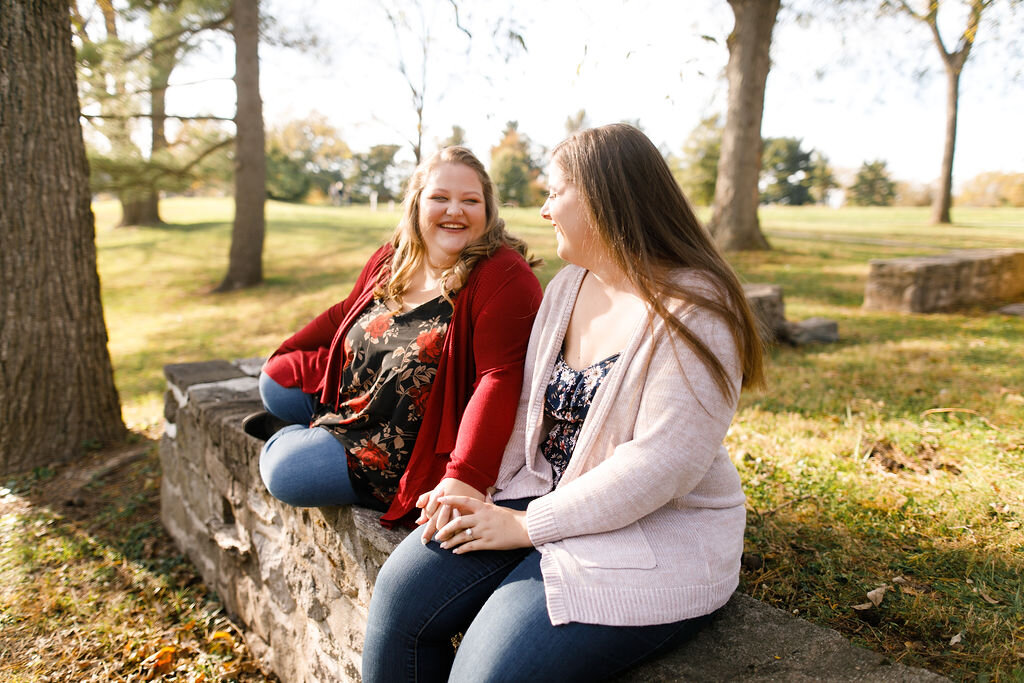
(409, 385)
(617, 518)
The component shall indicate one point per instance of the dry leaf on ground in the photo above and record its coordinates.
(876, 595)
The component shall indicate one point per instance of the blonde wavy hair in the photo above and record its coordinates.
(411, 253)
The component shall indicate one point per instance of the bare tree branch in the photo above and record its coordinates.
(458, 24)
(187, 31)
(118, 117)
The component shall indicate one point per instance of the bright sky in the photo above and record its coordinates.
(630, 60)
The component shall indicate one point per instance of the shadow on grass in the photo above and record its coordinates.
(819, 556)
(107, 588)
(109, 501)
(906, 363)
(190, 227)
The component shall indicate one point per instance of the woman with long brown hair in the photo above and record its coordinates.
(409, 385)
(617, 521)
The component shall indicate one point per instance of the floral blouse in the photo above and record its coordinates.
(566, 402)
(391, 364)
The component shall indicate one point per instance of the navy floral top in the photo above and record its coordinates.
(566, 402)
(385, 384)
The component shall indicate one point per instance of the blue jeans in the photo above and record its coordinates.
(425, 595)
(303, 466)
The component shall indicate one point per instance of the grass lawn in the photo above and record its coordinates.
(894, 458)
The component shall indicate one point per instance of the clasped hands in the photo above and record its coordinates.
(458, 516)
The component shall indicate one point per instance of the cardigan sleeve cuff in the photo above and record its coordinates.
(540, 522)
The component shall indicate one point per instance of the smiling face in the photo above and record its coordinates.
(577, 239)
(452, 212)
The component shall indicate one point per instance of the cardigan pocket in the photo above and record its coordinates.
(625, 548)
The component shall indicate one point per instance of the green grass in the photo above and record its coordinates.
(851, 481)
(855, 478)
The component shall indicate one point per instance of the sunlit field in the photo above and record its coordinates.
(893, 458)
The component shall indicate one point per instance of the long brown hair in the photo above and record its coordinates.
(648, 228)
(410, 252)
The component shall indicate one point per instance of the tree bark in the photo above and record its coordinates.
(734, 223)
(944, 197)
(140, 207)
(57, 390)
(245, 262)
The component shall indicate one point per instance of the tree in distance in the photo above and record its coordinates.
(458, 137)
(953, 60)
(304, 154)
(513, 169)
(993, 189)
(374, 171)
(734, 223)
(785, 172)
(872, 186)
(789, 174)
(57, 393)
(577, 122)
(697, 170)
(119, 77)
(823, 180)
(245, 258)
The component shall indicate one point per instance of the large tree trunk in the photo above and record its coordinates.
(56, 383)
(245, 263)
(734, 222)
(944, 197)
(140, 207)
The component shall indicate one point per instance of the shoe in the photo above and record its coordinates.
(262, 425)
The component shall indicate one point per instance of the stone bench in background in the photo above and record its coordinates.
(768, 307)
(298, 581)
(959, 279)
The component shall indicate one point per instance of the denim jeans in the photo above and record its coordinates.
(425, 595)
(303, 466)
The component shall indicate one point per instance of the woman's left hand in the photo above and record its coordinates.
(435, 515)
(482, 526)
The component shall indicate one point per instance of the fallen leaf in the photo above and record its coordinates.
(162, 662)
(863, 606)
(990, 600)
(900, 581)
(876, 595)
(221, 641)
(955, 640)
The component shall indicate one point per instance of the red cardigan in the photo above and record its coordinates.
(472, 404)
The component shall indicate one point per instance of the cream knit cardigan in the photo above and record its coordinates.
(646, 524)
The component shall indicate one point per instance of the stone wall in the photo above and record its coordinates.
(298, 581)
(959, 279)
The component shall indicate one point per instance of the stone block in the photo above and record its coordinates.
(958, 279)
(184, 375)
(768, 308)
(750, 641)
(250, 366)
(1013, 309)
(812, 330)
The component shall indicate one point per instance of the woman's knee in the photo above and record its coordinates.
(288, 403)
(306, 468)
(277, 466)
